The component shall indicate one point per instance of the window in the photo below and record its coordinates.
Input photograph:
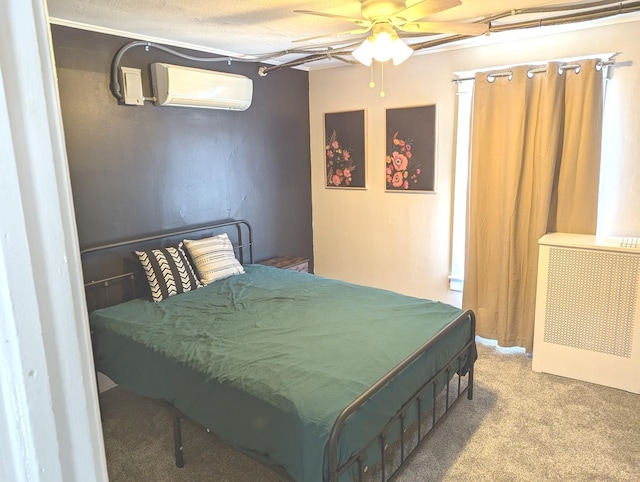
(463, 137)
(461, 173)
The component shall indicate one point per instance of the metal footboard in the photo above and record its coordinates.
(429, 389)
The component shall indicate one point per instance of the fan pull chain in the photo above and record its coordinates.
(372, 84)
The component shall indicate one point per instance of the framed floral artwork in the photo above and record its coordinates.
(344, 151)
(411, 149)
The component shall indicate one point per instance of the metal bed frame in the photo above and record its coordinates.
(241, 236)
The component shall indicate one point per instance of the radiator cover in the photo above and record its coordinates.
(587, 323)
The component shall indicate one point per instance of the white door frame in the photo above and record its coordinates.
(49, 417)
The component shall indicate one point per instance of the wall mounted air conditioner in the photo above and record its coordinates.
(587, 321)
(189, 87)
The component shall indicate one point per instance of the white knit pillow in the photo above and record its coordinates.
(213, 258)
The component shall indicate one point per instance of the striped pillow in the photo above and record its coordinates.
(213, 258)
(168, 271)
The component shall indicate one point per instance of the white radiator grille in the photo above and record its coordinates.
(587, 323)
(590, 300)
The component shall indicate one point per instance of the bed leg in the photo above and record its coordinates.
(472, 318)
(177, 441)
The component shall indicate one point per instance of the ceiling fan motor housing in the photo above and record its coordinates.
(380, 9)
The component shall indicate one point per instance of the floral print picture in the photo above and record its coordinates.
(411, 149)
(344, 149)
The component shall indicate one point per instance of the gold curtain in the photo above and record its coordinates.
(535, 157)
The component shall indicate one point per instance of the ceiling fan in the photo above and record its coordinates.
(385, 18)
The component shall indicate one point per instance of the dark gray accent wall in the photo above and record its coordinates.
(148, 169)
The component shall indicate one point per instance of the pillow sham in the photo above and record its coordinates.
(168, 272)
(213, 258)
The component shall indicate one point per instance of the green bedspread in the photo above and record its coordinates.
(268, 359)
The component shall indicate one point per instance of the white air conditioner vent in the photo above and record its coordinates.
(188, 87)
(587, 323)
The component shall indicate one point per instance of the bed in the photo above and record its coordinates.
(317, 378)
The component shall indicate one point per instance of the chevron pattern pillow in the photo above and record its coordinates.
(213, 258)
(168, 272)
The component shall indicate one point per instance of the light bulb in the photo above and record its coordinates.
(383, 47)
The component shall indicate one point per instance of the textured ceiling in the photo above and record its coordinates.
(241, 28)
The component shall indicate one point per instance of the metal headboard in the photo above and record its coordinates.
(113, 274)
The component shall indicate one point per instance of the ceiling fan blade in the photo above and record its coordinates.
(358, 21)
(424, 9)
(445, 27)
(350, 32)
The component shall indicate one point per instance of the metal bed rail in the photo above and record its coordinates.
(336, 469)
(239, 246)
(242, 245)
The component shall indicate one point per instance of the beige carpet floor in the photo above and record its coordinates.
(520, 426)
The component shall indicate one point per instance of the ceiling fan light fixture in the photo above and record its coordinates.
(401, 51)
(385, 18)
(382, 46)
(364, 53)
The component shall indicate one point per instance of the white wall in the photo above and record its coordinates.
(49, 419)
(400, 241)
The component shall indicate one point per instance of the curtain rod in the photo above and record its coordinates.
(539, 70)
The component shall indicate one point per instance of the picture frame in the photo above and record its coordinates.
(411, 149)
(344, 150)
